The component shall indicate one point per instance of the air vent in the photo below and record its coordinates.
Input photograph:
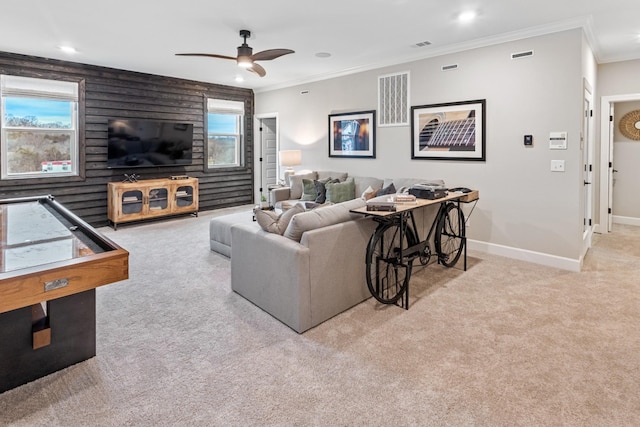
(423, 44)
(393, 99)
(521, 55)
(449, 67)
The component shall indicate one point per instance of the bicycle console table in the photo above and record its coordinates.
(396, 243)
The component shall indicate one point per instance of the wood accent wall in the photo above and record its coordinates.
(111, 93)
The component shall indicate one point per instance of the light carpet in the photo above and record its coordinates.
(506, 343)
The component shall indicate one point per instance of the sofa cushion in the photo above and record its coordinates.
(363, 182)
(341, 191)
(296, 184)
(317, 218)
(340, 176)
(274, 223)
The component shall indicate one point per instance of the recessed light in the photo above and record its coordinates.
(239, 79)
(323, 54)
(467, 16)
(68, 49)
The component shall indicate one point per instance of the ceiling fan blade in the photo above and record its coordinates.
(256, 68)
(267, 55)
(210, 55)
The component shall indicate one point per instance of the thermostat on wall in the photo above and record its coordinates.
(558, 140)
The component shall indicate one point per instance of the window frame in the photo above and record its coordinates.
(229, 107)
(77, 123)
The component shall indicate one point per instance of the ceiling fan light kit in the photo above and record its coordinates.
(245, 57)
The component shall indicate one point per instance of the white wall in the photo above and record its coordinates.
(522, 204)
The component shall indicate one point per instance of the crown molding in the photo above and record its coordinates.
(583, 22)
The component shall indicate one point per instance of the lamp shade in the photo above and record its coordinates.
(290, 157)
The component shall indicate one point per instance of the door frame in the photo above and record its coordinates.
(258, 149)
(587, 139)
(605, 146)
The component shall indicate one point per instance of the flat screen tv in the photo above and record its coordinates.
(135, 143)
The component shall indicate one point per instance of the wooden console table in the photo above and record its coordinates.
(151, 198)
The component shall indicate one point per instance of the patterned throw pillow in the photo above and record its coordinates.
(391, 189)
(369, 193)
(274, 223)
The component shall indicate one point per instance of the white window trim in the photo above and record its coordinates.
(41, 89)
(221, 106)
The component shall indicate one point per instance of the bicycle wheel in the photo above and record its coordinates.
(450, 232)
(388, 272)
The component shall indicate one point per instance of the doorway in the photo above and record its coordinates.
(607, 167)
(268, 159)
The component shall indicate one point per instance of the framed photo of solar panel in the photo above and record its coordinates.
(449, 131)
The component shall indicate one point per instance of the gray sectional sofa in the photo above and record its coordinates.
(316, 269)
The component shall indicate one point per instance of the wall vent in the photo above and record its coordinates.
(393, 99)
(520, 55)
(450, 67)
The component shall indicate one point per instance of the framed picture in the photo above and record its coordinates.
(450, 131)
(352, 134)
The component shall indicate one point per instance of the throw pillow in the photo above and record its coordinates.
(274, 223)
(321, 189)
(321, 192)
(391, 189)
(341, 191)
(368, 193)
(309, 191)
(295, 185)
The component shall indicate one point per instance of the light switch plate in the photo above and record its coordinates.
(557, 165)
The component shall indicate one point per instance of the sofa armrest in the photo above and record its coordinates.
(272, 272)
(279, 194)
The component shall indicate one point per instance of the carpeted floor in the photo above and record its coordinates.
(506, 343)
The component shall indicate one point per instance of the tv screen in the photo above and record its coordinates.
(137, 143)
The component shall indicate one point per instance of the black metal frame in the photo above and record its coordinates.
(406, 220)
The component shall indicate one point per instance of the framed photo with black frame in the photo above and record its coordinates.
(449, 131)
(352, 134)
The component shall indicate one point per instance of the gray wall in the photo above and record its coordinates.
(522, 204)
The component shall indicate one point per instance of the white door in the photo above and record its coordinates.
(269, 145)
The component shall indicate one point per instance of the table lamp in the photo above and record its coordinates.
(290, 158)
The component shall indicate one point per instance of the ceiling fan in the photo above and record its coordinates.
(246, 58)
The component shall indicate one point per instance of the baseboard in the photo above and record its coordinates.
(525, 255)
(627, 220)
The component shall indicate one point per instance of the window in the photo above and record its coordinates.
(38, 127)
(224, 133)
